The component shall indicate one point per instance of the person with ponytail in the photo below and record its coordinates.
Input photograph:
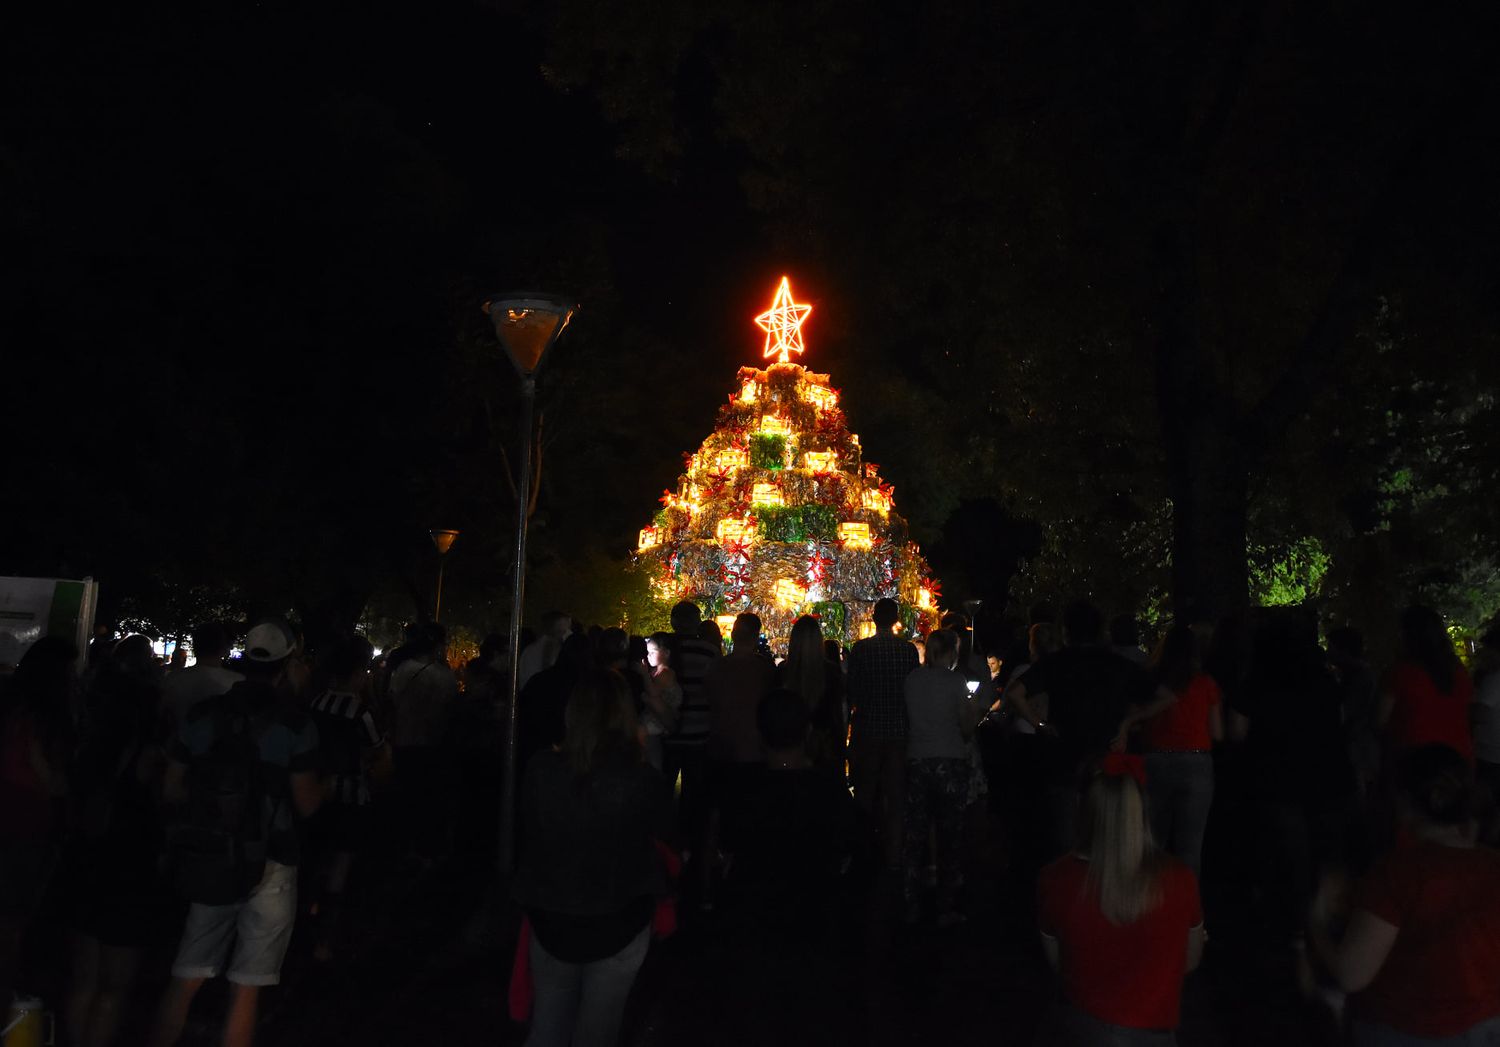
(1120, 920)
(1420, 948)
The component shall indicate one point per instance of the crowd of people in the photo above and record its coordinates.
(1349, 808)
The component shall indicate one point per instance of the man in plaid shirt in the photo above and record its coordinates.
(878, 667)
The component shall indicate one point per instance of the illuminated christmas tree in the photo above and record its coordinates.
(779, 513)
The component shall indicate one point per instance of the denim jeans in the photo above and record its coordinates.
(1485, 1034)
(1180, 790)
(582, 1004)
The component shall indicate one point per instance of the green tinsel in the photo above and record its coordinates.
(781, 523)
(768, 451)
(832, 616)
(820, 521)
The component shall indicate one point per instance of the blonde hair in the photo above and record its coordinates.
(1124, 864)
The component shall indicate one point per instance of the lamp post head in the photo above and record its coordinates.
(443, 540)
(527, 323)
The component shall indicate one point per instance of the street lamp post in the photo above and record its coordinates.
(442, 541)
(526, 324)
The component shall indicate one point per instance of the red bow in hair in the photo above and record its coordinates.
(1124, 765)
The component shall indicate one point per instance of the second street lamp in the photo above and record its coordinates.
(442, 541)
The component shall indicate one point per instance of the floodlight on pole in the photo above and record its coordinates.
(527, 323)
(442, 541)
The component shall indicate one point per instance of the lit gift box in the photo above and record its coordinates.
(822, 397)
(650, 538)
(821, 461)
(854, 534)
(766, 494)
(924, 599)
(749, 391)
(731, 458)
(789, 592)
(775, 425)
(866, 629)
(731, 529)
(878, 500)
(725, 622)
(666, 588)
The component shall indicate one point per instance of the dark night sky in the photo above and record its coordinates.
(243, 241)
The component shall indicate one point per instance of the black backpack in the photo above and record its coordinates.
(218, 847)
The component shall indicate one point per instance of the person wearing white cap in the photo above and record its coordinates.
(242, 772)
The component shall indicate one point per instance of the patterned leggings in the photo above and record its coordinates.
(937, 790)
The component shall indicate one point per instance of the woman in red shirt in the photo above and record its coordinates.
(1421, 951)
(1178, 736)
(1120, 920)
(1427, 694)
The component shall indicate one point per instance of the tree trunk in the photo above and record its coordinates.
(1208, 475)
(1210, 500)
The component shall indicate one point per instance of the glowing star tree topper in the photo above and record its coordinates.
(783, 325)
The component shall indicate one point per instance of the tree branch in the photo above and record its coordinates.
(1330, 342)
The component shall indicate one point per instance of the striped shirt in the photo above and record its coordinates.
(347, 733)
(691, 660)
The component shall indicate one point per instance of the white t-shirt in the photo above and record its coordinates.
(185, 688)
(540, 654)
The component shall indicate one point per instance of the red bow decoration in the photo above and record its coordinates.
(818, 563)
(1124, 765)
(718, 480)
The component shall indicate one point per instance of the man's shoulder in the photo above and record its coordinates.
(872, 644)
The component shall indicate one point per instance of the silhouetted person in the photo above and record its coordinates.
(1302, 786)
(1178, 732)
(660, 697)
(206, 678)
(1090, 690)
(589, 875)
(797, 832)
(684, 754)
(941, 719)
(542, 652)
(878, 667)
(1426, 696)
(122, 905)
(1421, 949)
(423, 695)
(349, 744)
(808, 671)
(1121, 921)
(36, 741)
(242, 773)
(542, 706)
